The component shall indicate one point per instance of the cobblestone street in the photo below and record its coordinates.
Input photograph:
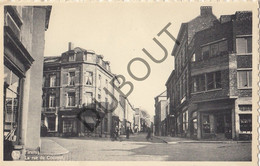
(138, 149)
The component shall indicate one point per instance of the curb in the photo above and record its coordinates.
(195, 141)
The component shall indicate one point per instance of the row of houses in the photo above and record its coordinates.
(80, 80)
(209, 92)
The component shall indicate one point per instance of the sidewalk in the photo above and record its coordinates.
(50, 150)
(174, 140)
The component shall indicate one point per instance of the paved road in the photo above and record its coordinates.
(138, 149)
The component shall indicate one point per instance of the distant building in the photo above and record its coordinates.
(210, 90)
(24, 33)
(161, 112)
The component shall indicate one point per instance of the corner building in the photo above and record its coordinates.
(221, 79)
(74, 79)
(213, 98)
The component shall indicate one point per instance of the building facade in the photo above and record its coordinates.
(213, 99)
(221, 79)
(161, 112)
(24, 32)
(80, 79)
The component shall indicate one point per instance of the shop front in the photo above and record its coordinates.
(212, 121)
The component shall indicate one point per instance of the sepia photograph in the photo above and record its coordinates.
(130, 81)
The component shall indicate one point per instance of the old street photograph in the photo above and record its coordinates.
(129, 82)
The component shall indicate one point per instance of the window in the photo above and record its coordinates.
(244, 79)
(71, 78)
(202, 83)
(71, 99)
(67, 126)
(213, 82)
(99, 81)
(52, 80)
(205, 52)
(52, 101)
(193, 59)
(89, 78)
(214, 49)
(72, 57)
(185, 121)
(107, 84)
(218, 79)
(51, 123)
(43, 81)
(210, 81)
(245, 122)
(244, 45)
(11, 99)
(88, 98)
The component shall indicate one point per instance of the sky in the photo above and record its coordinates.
(119, 32)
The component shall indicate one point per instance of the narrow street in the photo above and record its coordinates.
(138, 149)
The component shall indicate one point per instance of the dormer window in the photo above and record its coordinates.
(72, 57)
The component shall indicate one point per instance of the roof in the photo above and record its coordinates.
(163, 94)
(52, 59)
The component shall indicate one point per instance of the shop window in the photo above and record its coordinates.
(71, 99)
(245, 107)
(67, 126)
(206, 124)
(52, 102)
(244, 79)
(71, 78)
(52, 80)
(89, 78)
(245, 122)
(11, 109)
(244, 45)
(51, 123)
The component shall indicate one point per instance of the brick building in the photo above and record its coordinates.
(75, 79)
(219, 81)
(178, 82)
(24, 32)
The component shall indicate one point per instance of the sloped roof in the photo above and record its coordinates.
(52, 59)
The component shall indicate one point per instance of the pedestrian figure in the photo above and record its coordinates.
(115, 133)
(127, 133)
(148, 134)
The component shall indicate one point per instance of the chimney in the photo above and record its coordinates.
(71, 46)
(205, 10)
